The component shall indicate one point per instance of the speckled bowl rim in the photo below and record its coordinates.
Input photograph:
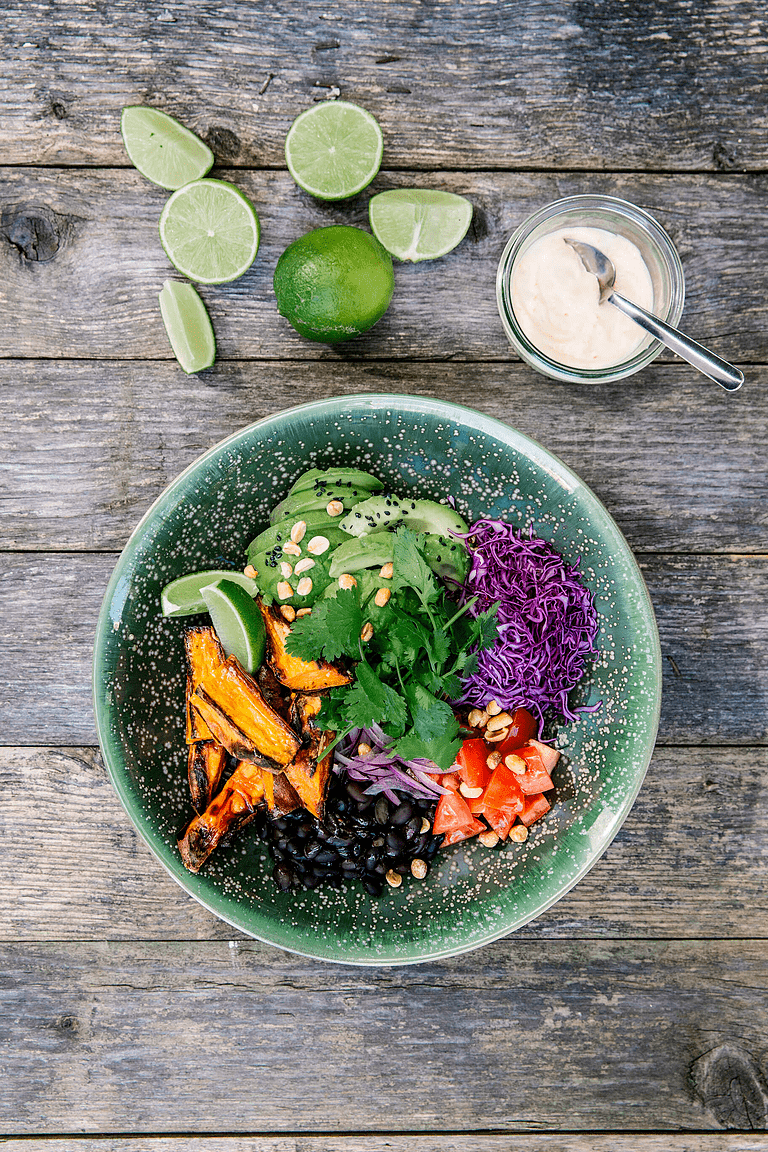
(488, 425)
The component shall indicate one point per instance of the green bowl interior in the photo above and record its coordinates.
(207, 517)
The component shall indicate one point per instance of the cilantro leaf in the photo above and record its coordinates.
(434, 735)
(411, 569)
(371, 701)
(331, 630)
(485, 628)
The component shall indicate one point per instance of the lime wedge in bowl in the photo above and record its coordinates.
(182, 597)
(419, 223)
(237, 621)
(188, 326)
(163, 150)
(210, 231)
(334, 149)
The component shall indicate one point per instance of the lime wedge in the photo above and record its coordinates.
(182, 596)
(237, 621)
(419, 223)
(334, 149)
(188, 326)
(210, 231)
(163, 150)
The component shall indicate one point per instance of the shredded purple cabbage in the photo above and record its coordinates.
(547, 622)
(384, 771)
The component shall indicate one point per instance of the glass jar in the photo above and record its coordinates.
(613, 215)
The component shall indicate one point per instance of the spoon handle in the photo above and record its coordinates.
(718, 370)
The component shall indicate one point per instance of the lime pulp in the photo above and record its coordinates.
(419, 223)
(162, 149)
(237, 621)
(188, 326)
(333, 150)
(210, 231)
(183, 597)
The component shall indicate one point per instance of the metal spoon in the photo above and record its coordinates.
(718, 370)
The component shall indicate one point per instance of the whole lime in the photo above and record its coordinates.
(334, 283)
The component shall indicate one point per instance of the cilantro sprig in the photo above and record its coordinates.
(410, 669)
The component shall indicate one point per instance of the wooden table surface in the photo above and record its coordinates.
(633, 1015)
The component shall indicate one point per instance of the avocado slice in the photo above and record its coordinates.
(448, 558)
(317, 522)
(387, 511)
(316, 478)
(300, 503)
(360, 552)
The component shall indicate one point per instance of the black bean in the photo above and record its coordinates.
(403, 813)
(325, 856)
(283, 877)
(374, 887)
(381, 811)
(413, 827)
(395, 842)
(357, 793)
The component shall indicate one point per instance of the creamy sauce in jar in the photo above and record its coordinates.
(556, 301)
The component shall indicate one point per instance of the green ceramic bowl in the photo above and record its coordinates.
(206, 518)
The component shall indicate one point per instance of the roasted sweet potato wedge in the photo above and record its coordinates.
(205, 768)
(232, 706)
(203, 652)
(298, 675)
(280, 795)
(310, 773)
(230, 810)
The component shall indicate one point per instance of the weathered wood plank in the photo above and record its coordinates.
(689, 861)
(710, 610)
(456, 84)
(88, 446)
(427, 1142)
(131, 1038)
(81, 264)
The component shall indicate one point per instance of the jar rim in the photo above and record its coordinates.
(658, 239)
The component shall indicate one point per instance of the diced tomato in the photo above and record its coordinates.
(503, 792)
(523, 727)
(501, 821)
(447, 779)
(472, 761)
(452, 812)
(536, 778)
(535, 807)
(464, 833)
(549, 755)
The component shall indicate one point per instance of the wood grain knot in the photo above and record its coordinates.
(37, 233)
(731, 1086)
(68, 1026)
(724, 156)
(223, 142)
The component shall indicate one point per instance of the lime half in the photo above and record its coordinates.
(188, 326)
(182, 597)
(419, 223)
(210, 231)
(334, 149)
(237, 621)
(163, 150)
